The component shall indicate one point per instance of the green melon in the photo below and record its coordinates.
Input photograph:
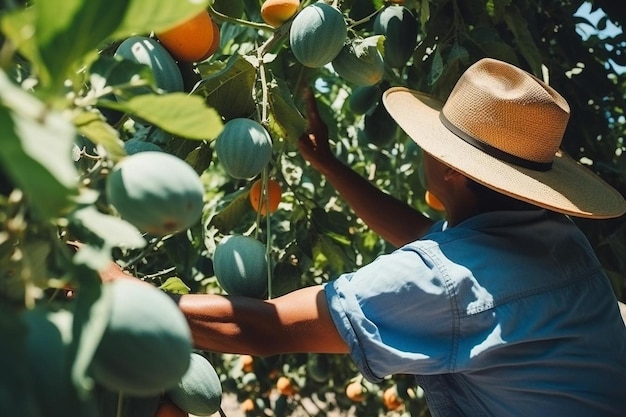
(240, 265)
(379, 127)
(199, 392)
(147, 51)
(400, 28)
(147, 343)
(362, 67)
(364, 98)
(317, 34)
(135, 145)
(243, 147)
(157, 192)
(49, 360)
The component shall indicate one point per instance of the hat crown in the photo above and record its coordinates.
(507, 109)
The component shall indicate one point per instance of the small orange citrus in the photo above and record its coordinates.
(167, 408)
(285, 386)
(391, 400)
(277, 12)
(247, 406)
(355, 391)
(247, 363)
(433, 202)
(190, 40)
(274, 194)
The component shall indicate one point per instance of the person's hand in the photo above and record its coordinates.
(313, 143)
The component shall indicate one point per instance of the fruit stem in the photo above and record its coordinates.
(120, 403)
(221, 16)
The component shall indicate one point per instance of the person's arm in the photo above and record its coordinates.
(298, 322)
(394, 220)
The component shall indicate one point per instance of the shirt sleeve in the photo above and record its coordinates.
(395, 314)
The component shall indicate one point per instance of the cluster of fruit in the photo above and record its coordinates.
(140, 350)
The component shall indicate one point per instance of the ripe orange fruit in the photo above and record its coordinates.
(391, 400)
(191, 40)
(355, 391)
(167, 408)
(433, 202)
(274, 194)
(248, 405)
(285, 386)
(216, 41)
(277, 12)
(247, 363)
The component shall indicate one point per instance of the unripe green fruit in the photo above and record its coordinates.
(240, 265)
(48, 356)
(317, 34)
(243, 147)
(147, 51)
(199, 392)
(364, 98)
(133, 146)
(157, 192)
(364, 70)
(146, 346)
(400, 28)
(379, 127)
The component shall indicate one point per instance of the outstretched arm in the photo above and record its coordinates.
(394, 220)
(298, 322)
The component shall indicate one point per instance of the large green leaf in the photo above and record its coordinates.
(180, 114)
(144, 16)
(229, 91)
(66, 34)
(37, 150)
(93, 127)
(286, 121)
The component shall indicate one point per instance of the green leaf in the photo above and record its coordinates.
(286, 121)
(180, 114)
(175, 285)
(229, 91)
(91, 316)
(523, 38)
(230, 217)
(19, 27)
(119, 75)
(94, 128)
(145, 16)
(113, 231)
(81, 24)
(37, 150)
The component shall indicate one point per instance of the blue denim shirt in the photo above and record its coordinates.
(505, 314)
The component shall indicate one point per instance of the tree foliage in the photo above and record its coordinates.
(67, 107)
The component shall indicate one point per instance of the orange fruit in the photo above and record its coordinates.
(391, 400)
(285, 386)
(190, 40)
(247, 363)
(433, 202)
(215, 44)
(167, 408)
(355, 391)
(274, 194)
(277, 12)
(248, 405)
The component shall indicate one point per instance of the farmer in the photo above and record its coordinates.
(500, 310)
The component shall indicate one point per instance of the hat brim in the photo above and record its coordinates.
(568, 187)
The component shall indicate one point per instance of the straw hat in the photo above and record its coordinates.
(503, 127)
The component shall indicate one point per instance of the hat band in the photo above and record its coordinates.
(493, 151)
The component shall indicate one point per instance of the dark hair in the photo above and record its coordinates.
(490, 200)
